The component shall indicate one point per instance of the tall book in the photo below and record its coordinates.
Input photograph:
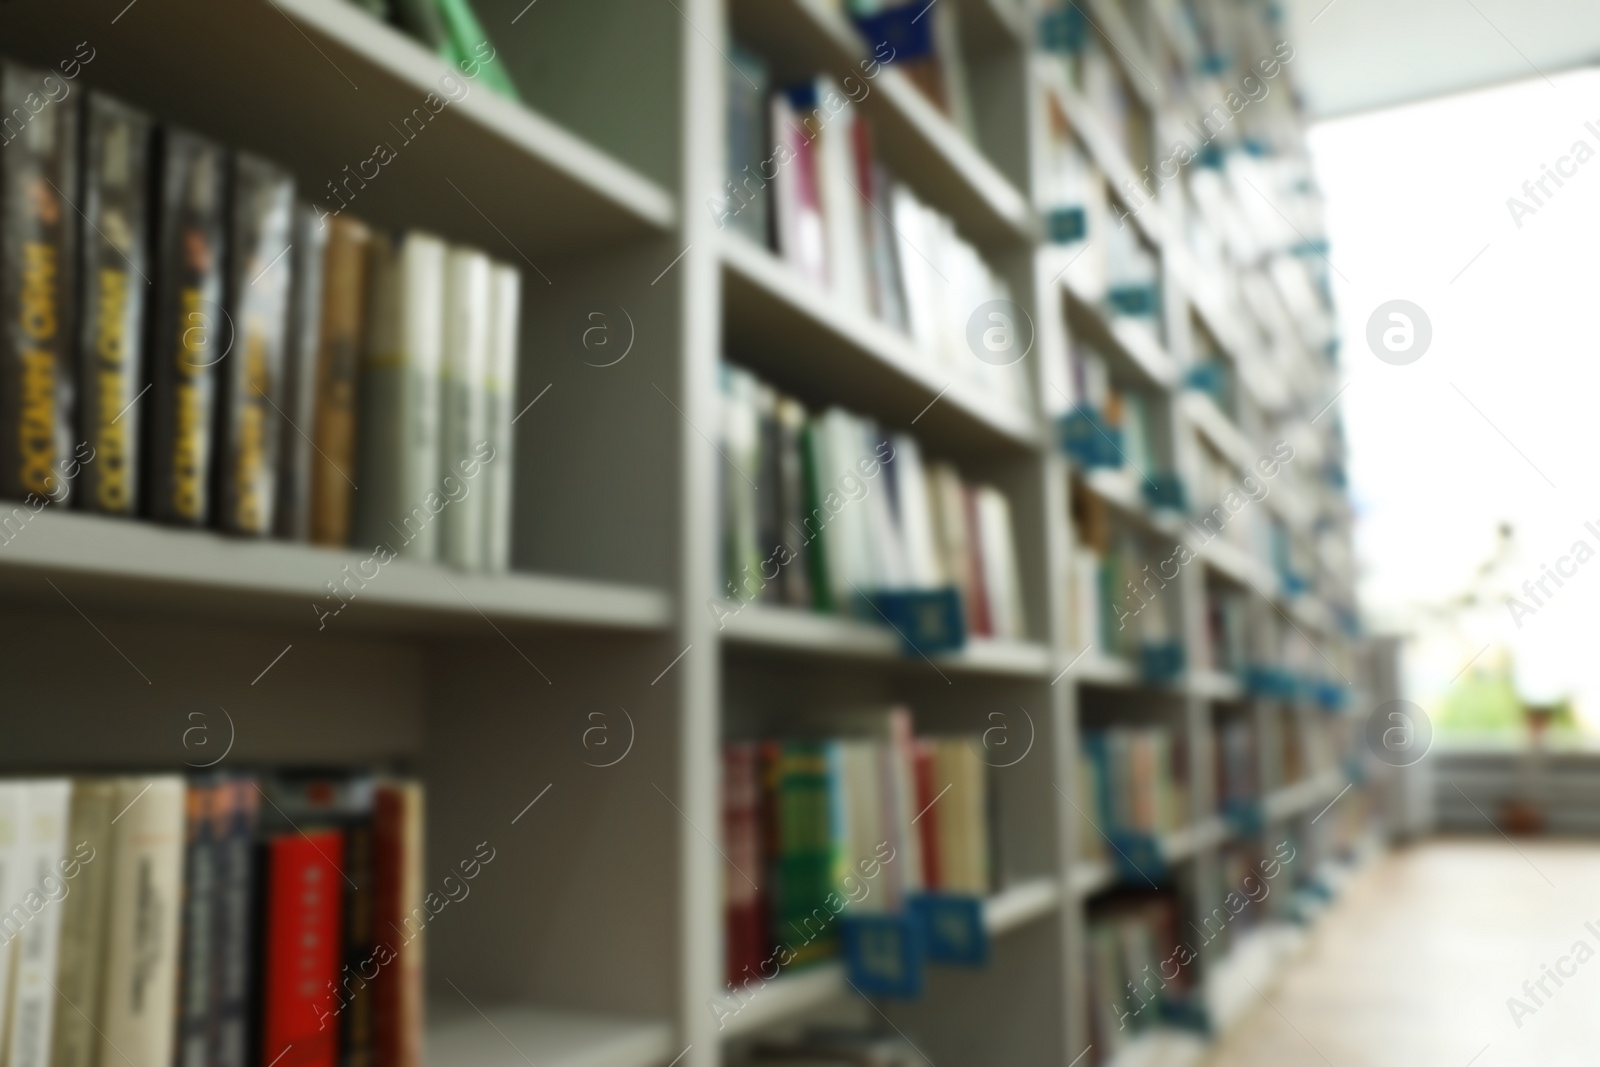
(79, 974)
(44, 851)
(292, 514)
(188, 332)
(197, 951)
(790, 420)
(400, 396)
(398, 843)
(837, 168)
(467, 297)
(745, 198)
(303, 898)
(796, 788)
(741, 834)
(115, 288)
(999, 557)
(141, 979)
(234, 812)
(796, 202)
(38, 255)
(500, 394)
(250, 384)
(339, 341)
(13, 884)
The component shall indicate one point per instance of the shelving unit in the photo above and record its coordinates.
(595, 940)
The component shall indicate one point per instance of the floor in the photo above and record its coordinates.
(1417, 962)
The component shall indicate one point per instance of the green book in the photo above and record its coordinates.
(466, 47)
(815, 514)
(802, 850)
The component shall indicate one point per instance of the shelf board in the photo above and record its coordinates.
(1091, 877)
(804, 339)
(324, 84)
(512, 1036)
(1192, 839)
(1204, 415)
(1303, 795)
(794, 995)
(796, 632)
(803, 38)
(1161, 1047)
(1021, 904)
(1216, 685)
(1124, 339)
(1120, 488)
(137, 565)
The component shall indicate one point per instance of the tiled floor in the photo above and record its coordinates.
(1415, 965)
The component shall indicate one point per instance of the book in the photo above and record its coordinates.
(38, 260)
(189, 333)
(740, 448)
(789, 421)
(399, 420)
(292, 512)
(743, 207)
(235, 811)
(747, 941)
(800, 848)
(1001, 579)
(114, 291)
(46, 807)
(398, 1020)
(799, 232)
(840, 197)
(13, 882)
(500, 395)
(141, 971)
(250, 374)
(81, 967)
(303, 894)
(468, 293)
(197, 954)
(467, 46)
(339, 343)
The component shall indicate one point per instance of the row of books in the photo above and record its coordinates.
(1137, 975)
(871, 818)
(804, 180)
(1137, 777)
(451, 29)
(219, 921)
(1118, 435)
(289, 355)
(1118, 604)
(823, 510)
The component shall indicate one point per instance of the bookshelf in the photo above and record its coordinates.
(596, 938)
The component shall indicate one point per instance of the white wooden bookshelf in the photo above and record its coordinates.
(596, 940)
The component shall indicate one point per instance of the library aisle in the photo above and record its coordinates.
(1416, 963)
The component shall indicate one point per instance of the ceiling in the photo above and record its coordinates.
(1358, 55)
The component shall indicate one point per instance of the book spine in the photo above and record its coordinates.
(38, 254)
(195, 978)
(301, 947)
(235, 830)
(746, 945)
(397, 863)
(33, 999)
(13, 796)
(791, 481)
(251, 384)
(141, 981)
(292, 514)
(115, 266)
(463, 426)
(333, 425)
(79, 974)
(188, 332)
(354, 990)
(500, 393)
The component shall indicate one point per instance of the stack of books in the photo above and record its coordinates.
(819, 831)
(823, 511)
(204, 348)
(224, 919)
(1138, 779)
(1138, 977)
(805, 182)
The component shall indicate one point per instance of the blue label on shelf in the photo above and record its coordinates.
(1087, 439)
(952, 928)
(1165, 491)
(927, 620)
(1160, 662)
(1138, 856)
(1137, 300)
(1063, 30)
(883, 954)
(903, 29)
(1246, 817)
(1067, 224)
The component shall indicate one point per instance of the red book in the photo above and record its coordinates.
(301, 948)
(741, 836)
(928, 825)
(400, 917)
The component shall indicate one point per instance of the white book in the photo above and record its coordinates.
(43, 851)
(841, 200)
(849, 546)
(141, 977)
(924, 568)
(13, 800)
(888, 567)
(918, 280)
(999, 560)
(399, 422)
(463, 422)
(500, 395)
